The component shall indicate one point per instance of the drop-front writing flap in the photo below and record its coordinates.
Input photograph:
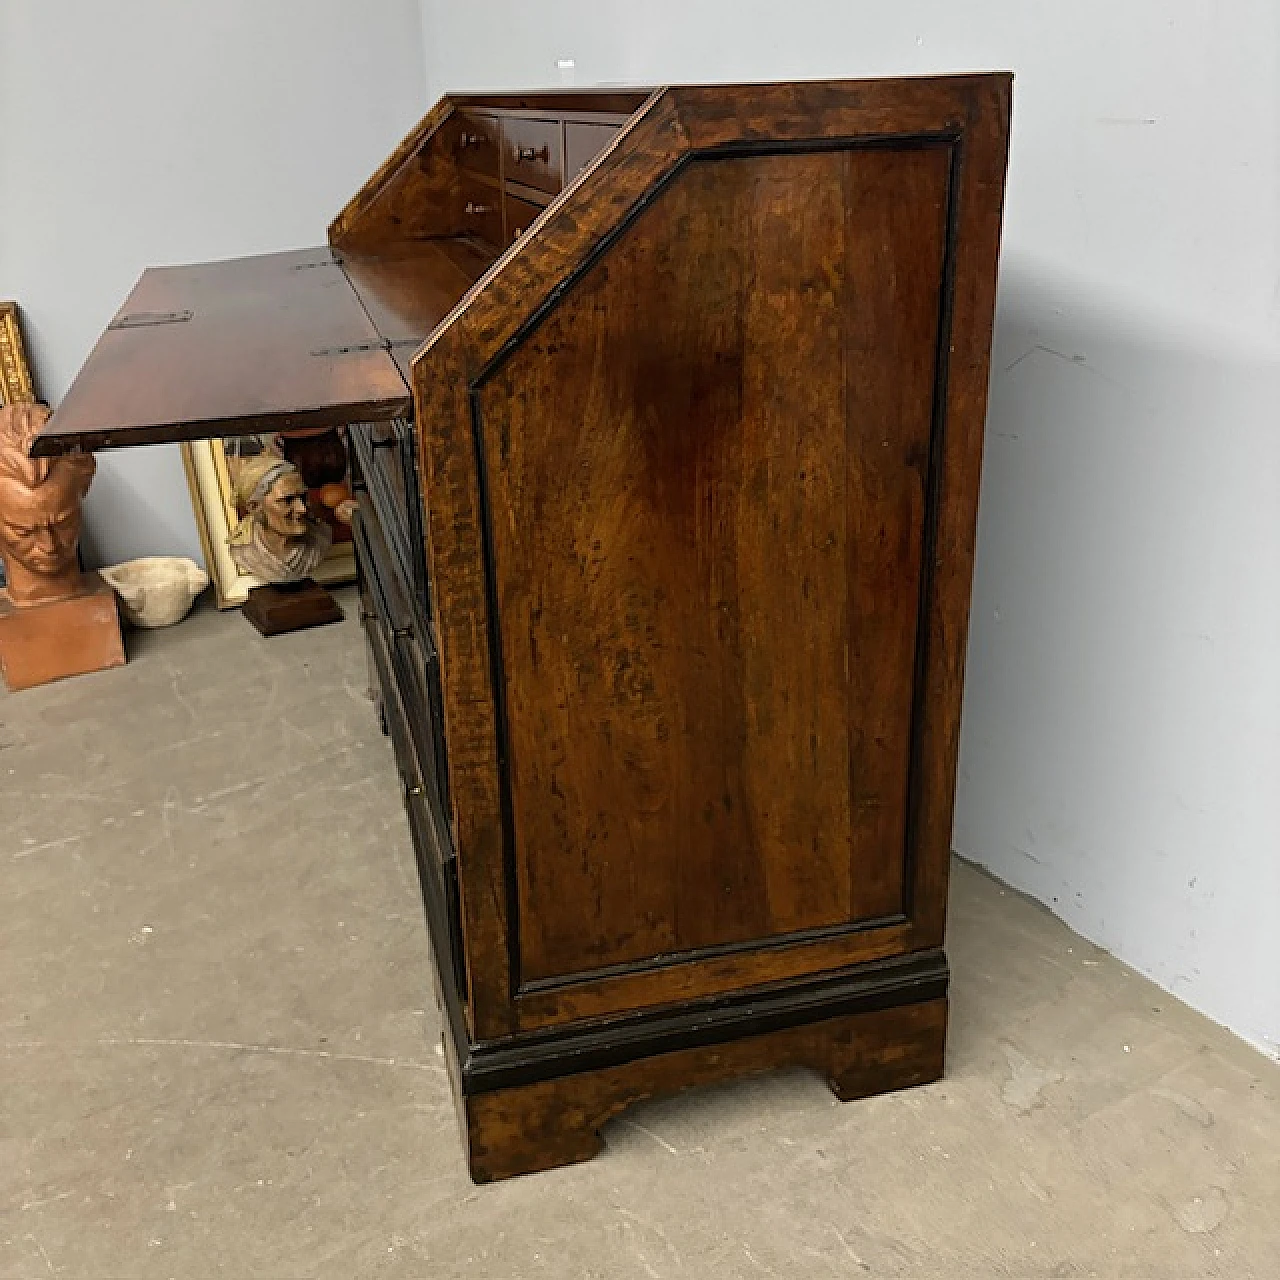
(266, 343)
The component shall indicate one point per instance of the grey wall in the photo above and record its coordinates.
(1121, 740)
(141, 132)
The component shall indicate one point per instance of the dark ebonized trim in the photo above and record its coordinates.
(561, 1051)
(498, 678)
(433, 857)
(906, 141)
(932, 505)
(553, 299)
(808, 146)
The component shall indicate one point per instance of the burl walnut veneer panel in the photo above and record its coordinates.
(707, 571)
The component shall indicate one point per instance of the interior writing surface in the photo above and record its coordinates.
(272, 342)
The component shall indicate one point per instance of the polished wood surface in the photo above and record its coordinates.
(654, 542)
(533, 152)
(277, 609)
(919, 279)
(256, 344)
(583, 141)
(666, 575)
(407, 294)
(559, 1122)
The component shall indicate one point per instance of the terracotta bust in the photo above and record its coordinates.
(277, 540)
(39, 511)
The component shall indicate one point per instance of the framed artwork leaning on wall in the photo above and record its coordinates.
(16, 385)
(211, 467)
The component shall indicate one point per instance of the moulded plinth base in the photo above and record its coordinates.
(524, 1109)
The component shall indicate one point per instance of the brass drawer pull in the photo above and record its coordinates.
(477, 210)
(542, 153)
(472, 140)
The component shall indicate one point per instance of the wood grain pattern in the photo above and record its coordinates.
(457, 574)
(558, 1122)
(698, 456)
(980, 206)
(660, 544)
(458, 605)
(885, 500)
(577, 220)
(729, 115)
(409, 293)
(583, 141)
(414, 194)
(273, 343)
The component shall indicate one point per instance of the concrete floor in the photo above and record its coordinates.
(218, 1044)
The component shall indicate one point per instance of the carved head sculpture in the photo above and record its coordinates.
(276, 540)
(39, 510)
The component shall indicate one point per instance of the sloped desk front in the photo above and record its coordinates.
(667, 415)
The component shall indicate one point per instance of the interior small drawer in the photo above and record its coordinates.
(481, 210)
(532, 153)
(479, 144)
(520, 213)
(583, 141)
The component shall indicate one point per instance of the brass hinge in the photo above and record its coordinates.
(138, 319)
(351, 350)
(381, 345)
(334, 260)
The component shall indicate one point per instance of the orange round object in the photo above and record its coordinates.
(331, 495)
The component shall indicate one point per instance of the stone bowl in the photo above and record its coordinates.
(156, 591)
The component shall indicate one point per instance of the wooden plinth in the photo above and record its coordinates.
(526, 1110)
(44, 642)
(290, 606)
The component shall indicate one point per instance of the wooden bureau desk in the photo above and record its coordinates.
(667, 415)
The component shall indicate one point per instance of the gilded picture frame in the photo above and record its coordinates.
(16, 384)
(213, 502)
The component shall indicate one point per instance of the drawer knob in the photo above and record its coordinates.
(477, 210)
(471, 140)
(532, 153)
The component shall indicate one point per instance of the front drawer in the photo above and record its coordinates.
(379, 469)
(481, 210)
(480, 143)
(520, 213)
(582, 143)
(385, 453)
(389, 589)
(532, 153)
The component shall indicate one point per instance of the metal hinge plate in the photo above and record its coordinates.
(357, 347)
(139, 319)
